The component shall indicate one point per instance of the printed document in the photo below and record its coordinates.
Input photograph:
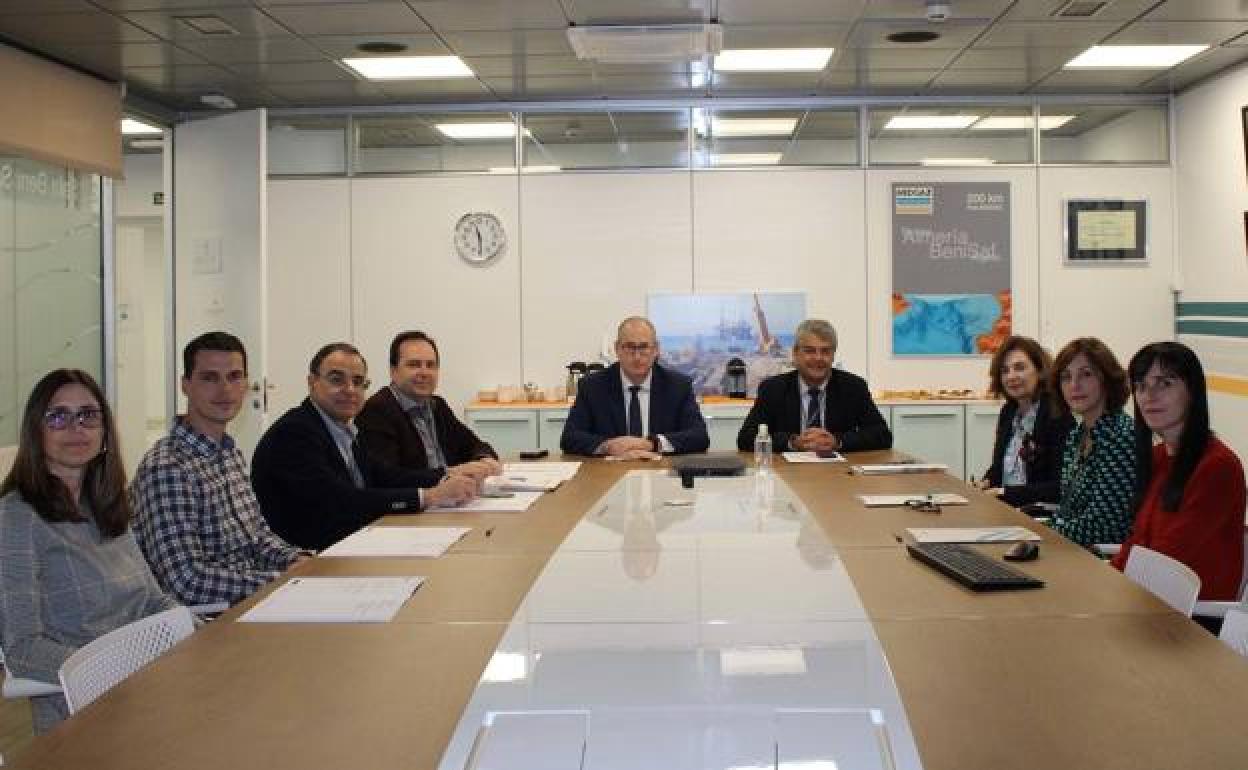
(334, 600)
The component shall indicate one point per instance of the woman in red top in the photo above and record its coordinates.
(1190, 486)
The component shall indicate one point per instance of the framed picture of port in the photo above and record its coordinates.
(1106, 232)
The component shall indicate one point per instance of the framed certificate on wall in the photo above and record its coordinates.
(1106, 231)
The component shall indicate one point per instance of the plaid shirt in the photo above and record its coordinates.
(198, 521)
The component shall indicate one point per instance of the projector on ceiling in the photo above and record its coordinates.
(619, 44)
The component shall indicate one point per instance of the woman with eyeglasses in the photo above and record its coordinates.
(1098, 461)
(1191, 486)
(1030, 434)
(70, 569)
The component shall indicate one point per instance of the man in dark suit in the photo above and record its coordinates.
(316, 485)
(404, 424)
(635, 408)
(816, 407)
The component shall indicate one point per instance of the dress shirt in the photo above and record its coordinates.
(420, 413)
(643, 399)
(1014, 464)
(344, 438)
(804, 390)
(198, 522)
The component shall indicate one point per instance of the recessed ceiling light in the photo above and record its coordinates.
(910, 122)
(1020, 122)
(956, 161)
(912, 36)
(145, 144)
(746, 158)
(132, 127)
(773, 59)
(723, 128)
(381, 47)
(1139, 57)
(409, 67)
(494, 130)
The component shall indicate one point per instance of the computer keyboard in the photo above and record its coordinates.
(971, 568)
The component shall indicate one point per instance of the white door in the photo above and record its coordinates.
(219, 235)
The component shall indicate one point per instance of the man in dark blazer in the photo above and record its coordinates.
(635, 408)
(404, 424)
(314, 482)
(816, 407)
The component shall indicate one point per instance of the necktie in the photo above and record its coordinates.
(353, 467)
(634, 411)
(812, 410)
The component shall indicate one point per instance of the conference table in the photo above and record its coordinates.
(747, 610)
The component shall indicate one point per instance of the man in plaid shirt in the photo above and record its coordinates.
(195, 514)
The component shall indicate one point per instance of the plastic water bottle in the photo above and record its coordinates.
(762, 450)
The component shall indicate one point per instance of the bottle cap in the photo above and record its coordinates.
(762, 430)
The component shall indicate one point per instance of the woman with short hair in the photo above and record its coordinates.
(70, 570)
(1098, 461)
(1190, 486)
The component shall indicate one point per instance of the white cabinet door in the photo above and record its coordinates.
(507, 430)
(887, 413)
(932, 434)
(981, 432)
(550, 428)
(723, 423)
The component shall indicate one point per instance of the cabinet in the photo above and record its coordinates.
(932, 433)
(981, 432)
(723, 423)
(550, 428)
(507, 430)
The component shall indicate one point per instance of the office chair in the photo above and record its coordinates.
(1168, 579)
(99, 665)
(16, 687)
(1235, 630)
(1218, 609)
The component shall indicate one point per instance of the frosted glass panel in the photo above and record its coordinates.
(50, 292)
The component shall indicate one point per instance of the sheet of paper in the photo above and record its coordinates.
(564, 469)
(939, 498)
(335, 600)
(971, 534)
(884, 469)
(518, 501)
(429, 542)
(812, 457)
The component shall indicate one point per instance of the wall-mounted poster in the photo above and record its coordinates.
(700, 333)
(1106, 231)
(951, 268)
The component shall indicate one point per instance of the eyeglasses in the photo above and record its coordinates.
(340, 380)
(60, 419)
(923, 504)
(637, 348)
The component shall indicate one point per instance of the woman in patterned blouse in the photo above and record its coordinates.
(1098, 461)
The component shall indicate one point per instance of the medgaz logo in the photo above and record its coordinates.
(913, 199)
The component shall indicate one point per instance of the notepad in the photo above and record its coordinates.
(517, 502)
(532, 477)
(971, 534)
(428, 542)
(939, 498)
(884, 469)
(813, 457)
(335, 600)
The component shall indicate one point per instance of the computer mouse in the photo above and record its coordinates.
(1024, 551)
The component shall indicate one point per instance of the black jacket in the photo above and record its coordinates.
(389, 437)
(600, 413)
(305, 488)
(1042, 452)
(849, 413)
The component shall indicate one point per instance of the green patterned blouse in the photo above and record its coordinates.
(1097, 490)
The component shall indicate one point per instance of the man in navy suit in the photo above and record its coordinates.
(635, 408)
(816, 407)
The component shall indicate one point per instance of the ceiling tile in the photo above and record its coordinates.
(664, 84)
(953, 34)
(253, 49)
(1047, 34)
(795, 11)
(1195, 70)
(1043, 10)
(248, 21)
(112, 59)
(457, 15)
(554, 86)
(44, 6)
(189, 76)
(1094, 81)
(984, 81)
(293, 72)
(543, 41)
(894, 58)
(639, 11)
(522, 66)
(332, 93)
(1184, 32)
(910, 9)
(121, 6)
(355, 19)
(1200, 10)
(1034, 60)
(771, 36)
(434, 90)
(766, 82)
(341, 46)
(89, 27)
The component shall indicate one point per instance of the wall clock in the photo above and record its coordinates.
(479, 237)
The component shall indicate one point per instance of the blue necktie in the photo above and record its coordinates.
(634, 411)
(812, 410)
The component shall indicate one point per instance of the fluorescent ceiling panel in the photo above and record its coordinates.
(724, 128)
(956, 161)
(409, 67)
(494, 130)
(1144, 57)
(911, 122)
(746, 158)
(132, 127)
(773, 59)
(526, 169)
(1020, 122)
